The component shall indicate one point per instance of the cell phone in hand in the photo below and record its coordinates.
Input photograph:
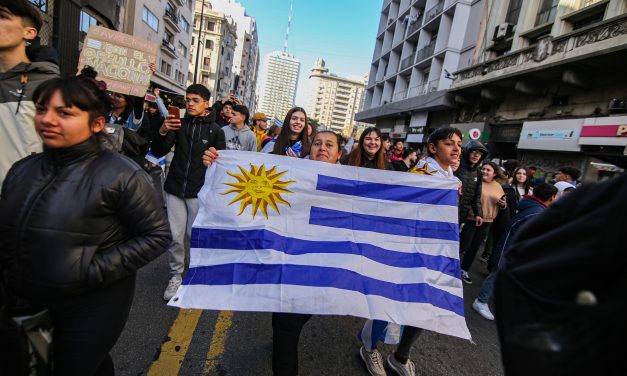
(174, 111)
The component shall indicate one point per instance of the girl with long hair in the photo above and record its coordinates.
(521, 181)
(369, 153)
(293, 140)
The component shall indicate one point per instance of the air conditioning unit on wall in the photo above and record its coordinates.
(503, 31)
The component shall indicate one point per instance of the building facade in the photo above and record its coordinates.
(213, 47)
(279, 82)
(419, 44)
(246, 55)
(168, 23)
(65, 25)
(547, 83)
(334, 100)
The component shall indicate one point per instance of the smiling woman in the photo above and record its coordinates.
(369, 153)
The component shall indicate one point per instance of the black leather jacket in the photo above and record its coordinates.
(76, 218)
(471, 177)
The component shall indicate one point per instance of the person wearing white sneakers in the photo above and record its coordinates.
(528, 207)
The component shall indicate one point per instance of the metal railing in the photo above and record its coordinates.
(434, 11)
(424, 88)
(408, 61)
(425, 52)
(414, 26)
(172, 16)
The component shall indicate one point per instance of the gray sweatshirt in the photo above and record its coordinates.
(239, 139)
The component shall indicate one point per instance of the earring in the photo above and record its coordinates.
(27, 43)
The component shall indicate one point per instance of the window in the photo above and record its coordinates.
(209, 44)
(546, 12)
(85, 22)
(168, 36)
(182, 50)
(42, 5)
(210, 25)
(513, 11)
(206, 62)
(150, 19)
(184, 24)
(193, 41)
(169, 9)
(196, 20)
(166, 68)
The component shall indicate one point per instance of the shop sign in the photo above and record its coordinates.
(474, 134)
(550, 134)
(417, 130)
(614, 130)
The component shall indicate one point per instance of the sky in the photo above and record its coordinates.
(342, 32)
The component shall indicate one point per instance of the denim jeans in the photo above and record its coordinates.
(488, 286)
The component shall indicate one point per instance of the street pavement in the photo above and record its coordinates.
(160, 340)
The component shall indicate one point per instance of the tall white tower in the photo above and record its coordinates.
(278, 88)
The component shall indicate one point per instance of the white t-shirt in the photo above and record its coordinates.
(562, 186)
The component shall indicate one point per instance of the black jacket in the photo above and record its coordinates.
(471, 181)
(187, 173)
(76, 218)
(367, 163)
(560, 294)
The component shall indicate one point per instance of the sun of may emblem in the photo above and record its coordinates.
(259, 188)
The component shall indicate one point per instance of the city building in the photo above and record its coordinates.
(168, 24)
(279, 81)
(419, 44)
(246, 55)
(213, 48)
(65, 25)
(547, 84)
(334, 100)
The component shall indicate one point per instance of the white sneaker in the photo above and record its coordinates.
(483, 309)
(373, 361)
(407, 369)
(173, 285)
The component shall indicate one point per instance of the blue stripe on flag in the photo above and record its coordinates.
(317, 276)
(383, 225)
(249, 240)
(389, 192)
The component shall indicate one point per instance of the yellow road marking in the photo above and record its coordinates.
(216, 349)
(173, 350)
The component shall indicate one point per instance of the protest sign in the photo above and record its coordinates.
(121, 60)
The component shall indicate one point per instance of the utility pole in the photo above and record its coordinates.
(200, 29)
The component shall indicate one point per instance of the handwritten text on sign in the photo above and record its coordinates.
(121, 60)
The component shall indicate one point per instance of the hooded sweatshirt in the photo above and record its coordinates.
(18, 138)
(239, 139)
(470, 176)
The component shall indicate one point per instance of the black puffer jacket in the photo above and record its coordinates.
(76, 218)
(187, 173)
(470, 177)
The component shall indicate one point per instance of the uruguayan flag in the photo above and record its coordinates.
(281, 234)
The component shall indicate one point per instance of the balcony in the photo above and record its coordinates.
(434, 11)
(425, 52)
(168, 47)
(408, 61)
(172, 20)
(399, 95)
(413, 27)
(594, 44)
(425, 88)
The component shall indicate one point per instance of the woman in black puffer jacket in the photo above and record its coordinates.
(76, 222)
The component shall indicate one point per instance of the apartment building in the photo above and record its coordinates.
(246, 55)
(168, 24)
(214, 39)
(278, 87)
(547, 84)
(419, 44)
(334, 100)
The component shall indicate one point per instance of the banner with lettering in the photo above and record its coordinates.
(121, 60)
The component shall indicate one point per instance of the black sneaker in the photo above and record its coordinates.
(466, 278)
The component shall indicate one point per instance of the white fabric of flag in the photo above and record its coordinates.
(281, 234)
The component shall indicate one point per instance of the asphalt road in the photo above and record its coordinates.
(159, 340)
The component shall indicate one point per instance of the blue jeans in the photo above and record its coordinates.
(487, 287)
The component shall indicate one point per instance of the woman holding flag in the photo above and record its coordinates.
(293, 140)
(286, 327)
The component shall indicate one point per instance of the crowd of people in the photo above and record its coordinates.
(83, 197)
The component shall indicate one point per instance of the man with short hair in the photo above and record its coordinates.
(191, 136)
(259, 127)
(566, 180)
(20, 75)
(237, 135)
(529, 206)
